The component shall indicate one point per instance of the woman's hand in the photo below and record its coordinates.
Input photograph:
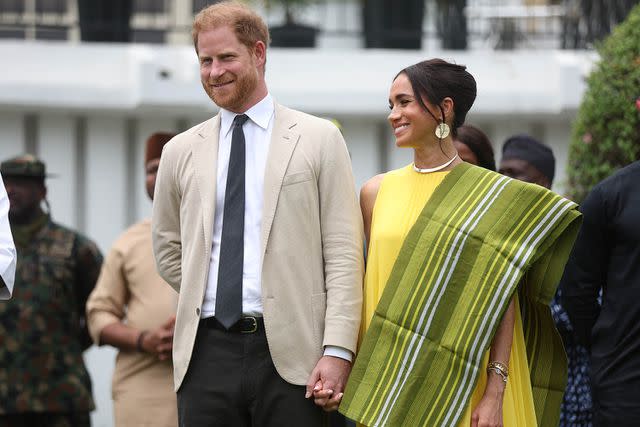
(488, 413)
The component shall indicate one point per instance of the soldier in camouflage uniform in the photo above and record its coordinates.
(43, 379)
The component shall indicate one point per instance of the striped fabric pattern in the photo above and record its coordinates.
(478, 237)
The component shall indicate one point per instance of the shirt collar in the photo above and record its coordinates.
(260, 114)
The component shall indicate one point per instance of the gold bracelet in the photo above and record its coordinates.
(499, 369)
(504, 368)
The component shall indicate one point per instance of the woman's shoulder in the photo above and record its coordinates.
(370, 189)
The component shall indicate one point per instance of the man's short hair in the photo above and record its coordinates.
(248, 26)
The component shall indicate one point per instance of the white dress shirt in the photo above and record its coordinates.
(7, 248)
(257, 134)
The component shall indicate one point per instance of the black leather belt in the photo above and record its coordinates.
(246, 325)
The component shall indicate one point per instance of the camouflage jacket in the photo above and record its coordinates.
(42, 329)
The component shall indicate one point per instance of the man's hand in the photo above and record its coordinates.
(159, 341)
(327, 382)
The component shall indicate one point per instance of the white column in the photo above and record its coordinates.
(73, 17)
(362, 140)
(105, 170)
(558, 137)
(57, 148)
(100, 362)
(181, 17)
(11, 135)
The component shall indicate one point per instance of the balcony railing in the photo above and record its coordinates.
(449, 24)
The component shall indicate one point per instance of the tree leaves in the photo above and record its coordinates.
(606, 133)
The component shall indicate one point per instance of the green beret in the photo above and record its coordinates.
(24, 166)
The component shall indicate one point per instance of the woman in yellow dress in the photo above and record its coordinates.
(428, 102)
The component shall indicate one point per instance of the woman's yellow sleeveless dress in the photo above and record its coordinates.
(401, 197)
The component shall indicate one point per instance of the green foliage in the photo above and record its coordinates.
(606, 134)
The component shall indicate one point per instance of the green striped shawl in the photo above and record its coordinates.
(479, 236)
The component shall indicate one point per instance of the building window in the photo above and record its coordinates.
(149, 36)
(198, 5)
(11, 33)
(51, 33)
(149, 6)
(150, 21)
(11, 6)
(51, 6)
(35, 19)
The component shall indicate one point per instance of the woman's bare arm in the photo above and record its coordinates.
(368, 195)
(488, 413)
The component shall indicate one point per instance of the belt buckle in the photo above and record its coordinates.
(254, 326)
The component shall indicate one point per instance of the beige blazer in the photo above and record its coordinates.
(312, 239)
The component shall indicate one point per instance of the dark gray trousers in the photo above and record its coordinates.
(231, 381)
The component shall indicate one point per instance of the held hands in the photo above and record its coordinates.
(159, 341)
(326, 382)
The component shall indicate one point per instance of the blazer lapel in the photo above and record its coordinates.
(283, 141)
(205, 162)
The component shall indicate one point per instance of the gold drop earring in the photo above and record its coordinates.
(442, 130)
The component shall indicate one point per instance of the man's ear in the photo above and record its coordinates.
(42, 191)
(537, 176)
(260, 53)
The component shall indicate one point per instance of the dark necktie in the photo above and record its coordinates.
(229, 292)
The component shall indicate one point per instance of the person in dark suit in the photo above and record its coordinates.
(606, 260)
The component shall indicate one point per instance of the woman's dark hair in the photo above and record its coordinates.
(436, 79)
(479, 144)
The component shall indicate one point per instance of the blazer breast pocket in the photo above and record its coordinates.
(297, 177)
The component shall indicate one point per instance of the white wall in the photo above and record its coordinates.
(12, 133)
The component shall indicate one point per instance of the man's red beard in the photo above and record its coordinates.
(234, 96)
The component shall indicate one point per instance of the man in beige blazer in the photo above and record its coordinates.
(285, 234)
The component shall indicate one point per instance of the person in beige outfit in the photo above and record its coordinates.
(133, 309)
(256, 224)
